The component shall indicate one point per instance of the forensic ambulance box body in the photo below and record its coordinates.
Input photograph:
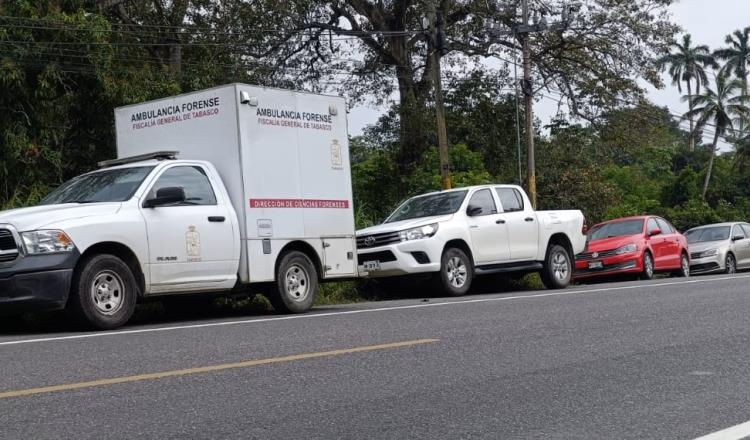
(283, 157)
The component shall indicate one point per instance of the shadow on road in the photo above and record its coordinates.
(202, 308)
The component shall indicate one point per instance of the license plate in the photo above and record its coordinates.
(371, 265)
(596, 265)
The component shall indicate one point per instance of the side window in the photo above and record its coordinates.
(193, 180)
(746, 228)
(651, 225)
(665, 227)
(483, 199)
(510, 198)
(737, 231)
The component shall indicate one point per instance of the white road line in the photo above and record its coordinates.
(374, 310)
(736, 432)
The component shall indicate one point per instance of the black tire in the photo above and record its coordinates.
(648, 267)
(456, 272)
(558, 268)
(296, 284)
(104, 293)
(684, 270)
(730, 269)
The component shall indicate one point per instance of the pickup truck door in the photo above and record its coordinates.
(489, 233)
(191, 245)
(523, 225)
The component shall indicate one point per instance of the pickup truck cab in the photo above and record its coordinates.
(477, 230)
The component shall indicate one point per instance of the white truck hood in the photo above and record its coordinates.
(402, 225)
(38, 217)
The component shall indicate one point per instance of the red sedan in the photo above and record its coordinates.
(634, 245)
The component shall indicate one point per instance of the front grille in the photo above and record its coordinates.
(695, 255)
(7, 242)
(376, 240)
(8, 247)
(590, 255)
(704, 267)
(382, 256)
(609, 268)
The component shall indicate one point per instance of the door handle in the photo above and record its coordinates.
(529, 219)
(473, 226)
(500, 222)
(216, 219)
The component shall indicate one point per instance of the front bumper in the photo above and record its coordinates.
(404, 258)
(37, 283)
(616, 265)
(705, 265)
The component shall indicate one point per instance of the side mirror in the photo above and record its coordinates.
(170, 195)
(473, 211)
(655, 231)
(738, 237)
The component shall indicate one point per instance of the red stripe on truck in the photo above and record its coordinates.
(299, 203)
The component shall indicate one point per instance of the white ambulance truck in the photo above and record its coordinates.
(212, 191)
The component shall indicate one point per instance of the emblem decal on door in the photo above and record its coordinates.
(193, 241)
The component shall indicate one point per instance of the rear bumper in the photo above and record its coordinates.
(37, 283)
(617, 265)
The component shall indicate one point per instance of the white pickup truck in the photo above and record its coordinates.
(260, 193)
(464, 232)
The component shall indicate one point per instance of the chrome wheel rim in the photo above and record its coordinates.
(456, 272)
(685, 266)
(731, 265)
(107, 292)
(649, 263)
(561, 265)
(297, 283)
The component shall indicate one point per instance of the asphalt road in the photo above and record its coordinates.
(667, 359)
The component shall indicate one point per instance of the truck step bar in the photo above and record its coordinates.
(508, 267)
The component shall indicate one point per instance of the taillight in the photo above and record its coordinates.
(585, 227)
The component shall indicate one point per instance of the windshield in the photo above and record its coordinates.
(703, 235)
(428, 206)
(115, 185)
(616, 229)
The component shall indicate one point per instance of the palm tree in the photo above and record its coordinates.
(717, 108)
(737, 58)
(688, 63)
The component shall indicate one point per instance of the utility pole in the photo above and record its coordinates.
(528, 104)
(522, 32)
(437, 47)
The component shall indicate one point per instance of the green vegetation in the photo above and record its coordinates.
(66, 64)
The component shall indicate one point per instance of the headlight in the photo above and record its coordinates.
(628, 248)
(47, 242)
(419, 233)
(709, 253)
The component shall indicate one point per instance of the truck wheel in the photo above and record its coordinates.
(648, 266)
(296, 284)
(104, 292)
(456, 272)
(558, 269)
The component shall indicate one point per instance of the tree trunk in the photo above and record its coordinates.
(710, 163)
(413, 125)
(691, 138)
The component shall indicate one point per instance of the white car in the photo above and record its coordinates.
(722, 247)
(477, 230)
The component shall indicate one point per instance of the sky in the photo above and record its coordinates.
(707, 20)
